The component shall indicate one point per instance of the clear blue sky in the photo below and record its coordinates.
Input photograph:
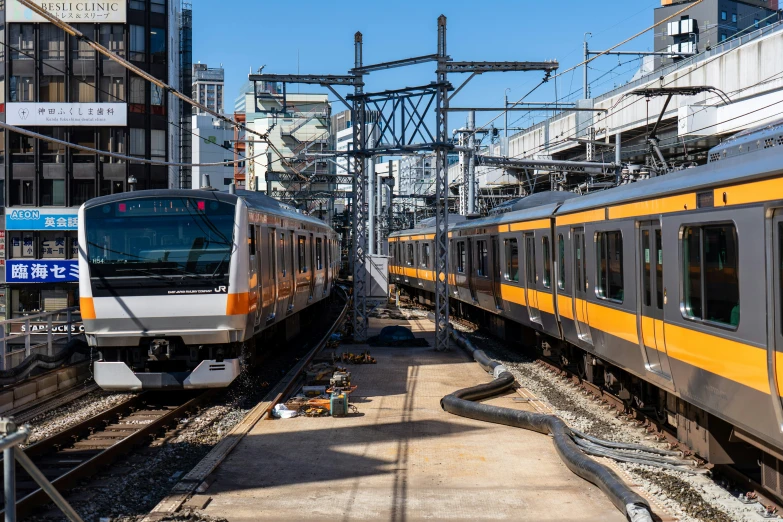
(317, 37)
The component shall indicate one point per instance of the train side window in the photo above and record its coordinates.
(302, 253)
(319, 261)
(251, 240)
(560, 262)
(461, 254)
(281, 254)
(425, 255)
(547, 261)
(711, 275)
(411, 260)
(609, 250)
(511, 249)
(482, 258)
(530, 260)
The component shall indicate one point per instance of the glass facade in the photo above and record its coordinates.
(43, 64)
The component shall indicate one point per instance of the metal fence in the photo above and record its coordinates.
(36, 334)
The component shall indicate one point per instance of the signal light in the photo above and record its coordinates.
(202, 205)
(122, 207)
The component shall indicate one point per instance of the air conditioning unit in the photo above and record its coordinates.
(674, 28)
(687, 26)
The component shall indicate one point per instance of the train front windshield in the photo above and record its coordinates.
(158, 238)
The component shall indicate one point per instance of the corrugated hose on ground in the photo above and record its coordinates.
(461, 403)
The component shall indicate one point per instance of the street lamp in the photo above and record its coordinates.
(132, 182)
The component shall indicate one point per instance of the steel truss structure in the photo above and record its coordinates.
(402, 127)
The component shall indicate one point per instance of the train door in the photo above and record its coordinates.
(580, 285)
(270, 283)
(652, 292)
(496, 273)
(254, 283)
(313, 268)
(291, 267)
(469, 269)
(775, 319)
(531, 295)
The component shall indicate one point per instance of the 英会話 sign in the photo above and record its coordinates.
(42, 219)
(96, 12)
(77, 114)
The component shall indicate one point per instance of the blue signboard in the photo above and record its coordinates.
(41, 219)
(41, 271)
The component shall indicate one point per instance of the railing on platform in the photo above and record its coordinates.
(11, 436)
(23, 336)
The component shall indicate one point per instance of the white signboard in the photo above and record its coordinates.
(78, 114)
(98, 11)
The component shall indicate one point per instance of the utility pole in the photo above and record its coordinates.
(505, 112)
(471, 207)
(585, 85)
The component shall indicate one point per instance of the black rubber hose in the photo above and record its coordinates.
(460, 403)
(625, 445)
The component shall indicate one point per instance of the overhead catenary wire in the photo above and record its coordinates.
(161, 84)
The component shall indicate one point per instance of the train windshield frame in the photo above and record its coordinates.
(179, 237)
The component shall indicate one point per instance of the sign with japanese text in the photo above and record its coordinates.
(41, 271)
(106, 11)
(62, 113)
(42, 219)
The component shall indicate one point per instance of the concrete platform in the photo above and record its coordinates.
(401, 457)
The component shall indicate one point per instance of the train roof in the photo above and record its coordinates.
(763, 163)
(254, 200)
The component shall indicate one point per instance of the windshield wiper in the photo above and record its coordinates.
(183, 272)
(144, 271)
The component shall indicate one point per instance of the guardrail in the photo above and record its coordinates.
(11, 437)
(30, 329)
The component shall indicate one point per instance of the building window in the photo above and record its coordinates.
(83, 89)
(158, 45)
(158, 144)
(21, 192)
(22, 42)
(112, 89)
(512, 260)
(84, 136)
(51, 89)
(52, 42)
(138, 146)
(723, 15)
(156, 100)
(80, 50)
(138, 95)
(482, 259)
(734, 17)
(21, 148)
(710, 274)
(547, 266)
(22, 245)
(52, 192)
(138, 44)
(756, 23)
(138, 4)
(112, 140)
(609, 250)
(113, 39)
(53, 152)
(722, 37)
(21, 88)
(158, 6)
(84, 189)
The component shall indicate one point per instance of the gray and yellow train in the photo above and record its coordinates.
(668, 291)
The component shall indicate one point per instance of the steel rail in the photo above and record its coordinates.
(65, 439)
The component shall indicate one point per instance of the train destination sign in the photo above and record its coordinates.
(79, 114)
(105, 11)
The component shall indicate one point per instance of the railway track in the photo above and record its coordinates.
(80, 451)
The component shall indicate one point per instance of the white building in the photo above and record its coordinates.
(208, 87)
(212, 144)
